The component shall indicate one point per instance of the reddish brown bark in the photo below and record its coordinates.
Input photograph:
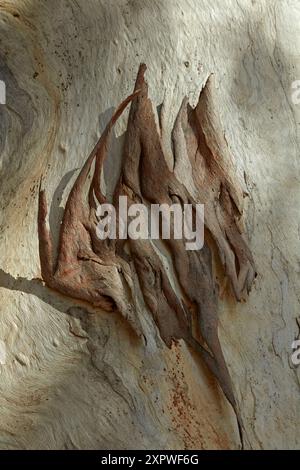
(103, 273)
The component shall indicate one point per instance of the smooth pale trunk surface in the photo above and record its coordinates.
(79, 379)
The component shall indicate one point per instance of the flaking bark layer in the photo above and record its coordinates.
(107, 275)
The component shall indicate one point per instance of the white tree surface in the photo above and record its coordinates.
(72, 377)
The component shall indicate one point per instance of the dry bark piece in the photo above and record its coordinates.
(198, 137)
(85, 267)
(146, 177)
(103, 273)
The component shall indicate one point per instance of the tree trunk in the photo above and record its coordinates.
(79, 374)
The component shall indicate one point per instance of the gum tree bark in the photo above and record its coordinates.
(149, 347)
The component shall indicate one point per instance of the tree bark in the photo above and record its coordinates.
(80, 372)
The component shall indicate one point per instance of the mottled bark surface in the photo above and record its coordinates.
(137, 345)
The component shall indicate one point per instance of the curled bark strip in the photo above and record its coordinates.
(198, 134)
(103, 273)
(86, 268)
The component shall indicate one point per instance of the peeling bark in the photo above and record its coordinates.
(103, 273)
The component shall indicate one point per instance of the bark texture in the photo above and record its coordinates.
(140, 344)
